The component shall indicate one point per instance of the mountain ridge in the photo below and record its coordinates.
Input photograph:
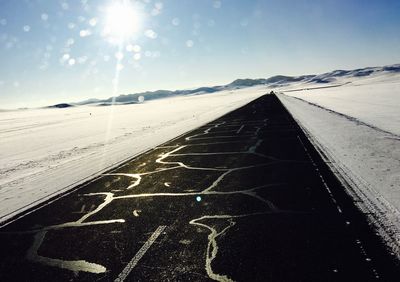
(274, 81)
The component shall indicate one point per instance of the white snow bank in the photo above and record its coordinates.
(44, 152)
(357, 126)
(373, 100)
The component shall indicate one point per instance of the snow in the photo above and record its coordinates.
(44, 152)
(375, 101)
(357, 126)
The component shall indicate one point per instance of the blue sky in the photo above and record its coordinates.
(57, 51)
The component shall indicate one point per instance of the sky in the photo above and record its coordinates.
(54, 51)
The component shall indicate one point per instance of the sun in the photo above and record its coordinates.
(123, 20)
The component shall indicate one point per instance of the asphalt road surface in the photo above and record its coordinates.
(243, 198)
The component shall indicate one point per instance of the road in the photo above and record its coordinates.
(243, 198)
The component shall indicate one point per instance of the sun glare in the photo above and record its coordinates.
(123, 21)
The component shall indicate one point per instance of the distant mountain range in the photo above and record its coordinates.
(272, 82)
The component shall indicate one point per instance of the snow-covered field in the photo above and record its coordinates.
(357, 125)
(373, 100)
(44, 152)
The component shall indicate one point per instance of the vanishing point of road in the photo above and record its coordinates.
(243, 198)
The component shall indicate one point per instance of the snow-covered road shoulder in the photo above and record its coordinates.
(366, 159)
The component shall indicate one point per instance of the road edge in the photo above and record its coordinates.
(375, 212)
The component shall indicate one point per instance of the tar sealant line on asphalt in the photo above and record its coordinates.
(208, 154)
(131, 265)
(251, 150)
(226, 136)
(249, 192)
(212, 246)
(204, 132)
(72, 265)
(213, 143)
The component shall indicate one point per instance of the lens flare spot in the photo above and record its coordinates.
(123, 21)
